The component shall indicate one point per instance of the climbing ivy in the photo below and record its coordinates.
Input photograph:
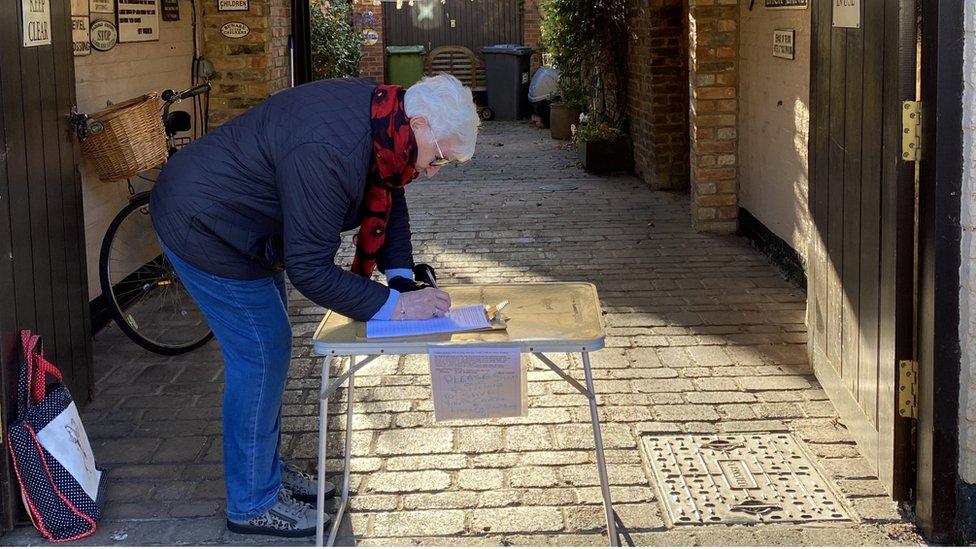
(336, 44)
(588, 43)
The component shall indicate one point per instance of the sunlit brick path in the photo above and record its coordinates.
(703, 336)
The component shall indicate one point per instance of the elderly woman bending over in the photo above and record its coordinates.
(270, 192)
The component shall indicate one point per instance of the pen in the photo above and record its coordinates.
(430, 276)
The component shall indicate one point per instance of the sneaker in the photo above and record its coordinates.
(303, 486)
(288, 518)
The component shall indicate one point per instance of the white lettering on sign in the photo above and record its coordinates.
(79, 35)
(36, 23)
(138, 20)
(847, 14)
(235, 29)
(370, 37)
(783, 43)
(232, 5)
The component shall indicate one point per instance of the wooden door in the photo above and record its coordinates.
(43, 282)
(475, 24)
(862, 197)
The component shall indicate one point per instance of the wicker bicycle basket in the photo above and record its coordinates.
(132, 139)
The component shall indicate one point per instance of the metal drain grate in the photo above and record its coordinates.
(740, 479)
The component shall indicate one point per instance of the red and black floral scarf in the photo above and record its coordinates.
(394, 165)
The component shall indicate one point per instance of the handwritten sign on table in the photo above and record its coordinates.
(477, 382)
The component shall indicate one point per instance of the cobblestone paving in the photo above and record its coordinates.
(704, 336)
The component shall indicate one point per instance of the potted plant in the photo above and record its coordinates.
(566, 105)
(603, 148)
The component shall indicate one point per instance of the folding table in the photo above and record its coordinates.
(541, 318)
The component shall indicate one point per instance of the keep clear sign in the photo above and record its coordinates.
(36, 22)
(477, 382)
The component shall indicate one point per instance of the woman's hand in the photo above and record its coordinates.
(422, 304)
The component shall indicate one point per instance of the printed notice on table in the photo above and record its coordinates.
(477, 382)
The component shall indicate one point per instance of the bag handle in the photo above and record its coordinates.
(42, 368)
(28, 342)
(31, 384)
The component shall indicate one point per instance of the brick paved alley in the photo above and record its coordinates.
(704, 335)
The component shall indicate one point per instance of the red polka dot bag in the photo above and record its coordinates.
(51, 455)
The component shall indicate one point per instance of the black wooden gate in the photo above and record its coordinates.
(861, 264)
(43, 278)
(465, 23)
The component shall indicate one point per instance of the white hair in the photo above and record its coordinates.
(449, 109)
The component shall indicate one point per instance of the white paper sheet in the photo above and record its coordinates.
(477, 382)
(459, 319)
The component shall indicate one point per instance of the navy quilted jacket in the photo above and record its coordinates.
(273, 188)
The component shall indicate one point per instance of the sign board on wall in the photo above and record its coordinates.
(36, 22)
(847, 14)
(235, 29)
(171, 10)
(370, 37)
(786, 4)
(138, 20)
(79, 28)
(102, 6)
(104, 35)
(232, 5)
(784, 43)
(79, 35)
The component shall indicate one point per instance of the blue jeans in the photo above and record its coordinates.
(250, 320)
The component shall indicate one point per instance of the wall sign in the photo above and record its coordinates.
(232, 5)
(235, 29)
(102, 6)
(786, 4)
(847, 14)
(103, 34)
(36, 23)
(784, 43)
(171, 10)
(370, 37)
(79, 35)
(138, 20)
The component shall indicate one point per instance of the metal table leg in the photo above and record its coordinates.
(327, 391)
(344, 502)
(323, 427)
(601, 460)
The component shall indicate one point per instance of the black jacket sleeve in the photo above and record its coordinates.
(397, 251)
(314, 203)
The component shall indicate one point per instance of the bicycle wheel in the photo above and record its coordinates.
(141, 289)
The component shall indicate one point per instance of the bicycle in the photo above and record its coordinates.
(139, 286)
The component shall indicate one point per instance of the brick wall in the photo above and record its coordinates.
(531, 30)
(279, 12)
(246, 70)
(657, 67)
(371, 63)
(713, 81)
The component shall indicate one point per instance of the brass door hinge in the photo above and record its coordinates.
(911, 130)
(908, 389)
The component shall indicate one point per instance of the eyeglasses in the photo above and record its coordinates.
(440, 160)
